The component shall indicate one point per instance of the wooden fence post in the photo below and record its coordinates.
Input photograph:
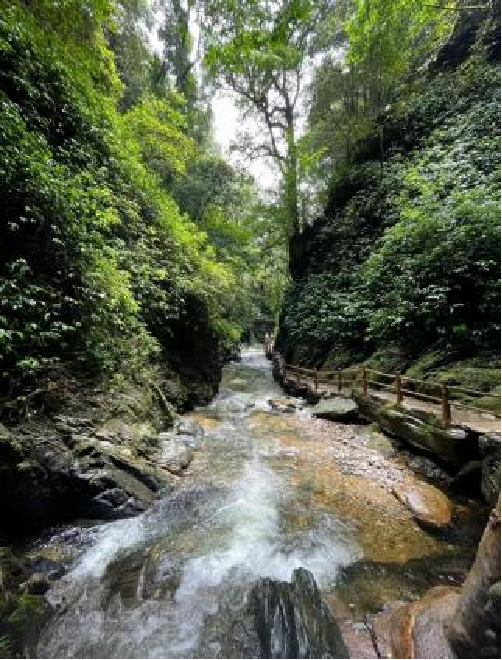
(399, 394)
(445, 405)
(365, 382)
(339, 381)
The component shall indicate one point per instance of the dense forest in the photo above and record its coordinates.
(130, 243)
(128, 240)
(350, 219)
(402, 269)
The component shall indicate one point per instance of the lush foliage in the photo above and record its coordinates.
(99, 262)
(262, 52)
(408, 255)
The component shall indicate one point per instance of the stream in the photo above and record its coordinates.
(267, 492)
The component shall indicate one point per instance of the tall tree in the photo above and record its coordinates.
(261, 51)
(129, 42)
(386, 40)
(178, 45)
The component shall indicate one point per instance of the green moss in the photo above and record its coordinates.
(480, 373)
(30, 611)
(391, 359)
(338, 359)
(488, 403)
(6, 648)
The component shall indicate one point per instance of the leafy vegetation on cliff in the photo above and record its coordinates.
(115, 251)
(407, 253)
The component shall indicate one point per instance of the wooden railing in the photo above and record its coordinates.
(401, 386)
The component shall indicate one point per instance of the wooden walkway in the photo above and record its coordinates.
(450, 404)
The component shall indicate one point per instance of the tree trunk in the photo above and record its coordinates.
(291, 178)
(475, 628)
(382, 150)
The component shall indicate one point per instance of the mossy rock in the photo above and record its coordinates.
(11, 571)
(6, 647)
(26, 621)
(454, 445)
(473, 373)
(30, 610)
(338, 409)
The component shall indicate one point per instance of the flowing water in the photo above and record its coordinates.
(263, 496)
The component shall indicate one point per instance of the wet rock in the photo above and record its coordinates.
(278, 367)
(43, 479)
(49, 560)
(292, 620)
(468, 479)
(455, 445)
(296, 388)
(338, 409)
(489, 446)
(189, 427)
(25, 622)
(417, 630)
(428, 504)
(140, 575)
(175, 457)
(37, 584)
(284, 405)
(11, 571)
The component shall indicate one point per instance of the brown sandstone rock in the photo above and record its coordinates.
(417, 630)
(428, 504)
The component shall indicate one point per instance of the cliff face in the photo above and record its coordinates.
(405, 260)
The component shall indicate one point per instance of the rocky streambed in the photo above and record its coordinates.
(237, 497)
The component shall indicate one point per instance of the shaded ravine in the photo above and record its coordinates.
(267, 492)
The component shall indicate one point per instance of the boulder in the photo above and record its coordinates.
(48, 477)
(489, 446)
(338, 409)
(455, 445)
(428, 505)
(292, 621)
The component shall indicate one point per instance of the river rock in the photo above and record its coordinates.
(139, 575)
(175, 456)
(489, 446)
(455, 445)
(284, 405)
(338, 409)
(292, 620)
(44, 477)
(278, 367)
(37, 584)
(417, 630)
(428, 504)
(188, 427)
